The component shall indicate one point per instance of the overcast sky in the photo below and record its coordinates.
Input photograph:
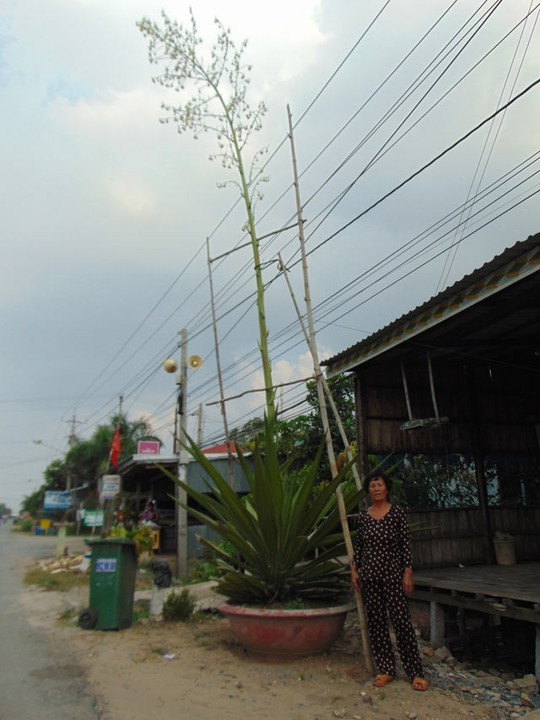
(105, 212)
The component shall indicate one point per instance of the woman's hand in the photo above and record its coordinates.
(355, 578)
(408, 585)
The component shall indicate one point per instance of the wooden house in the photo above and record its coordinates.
(456, 383)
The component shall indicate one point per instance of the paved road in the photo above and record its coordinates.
(39, 679)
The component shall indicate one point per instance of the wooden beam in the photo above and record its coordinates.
(361, 425)
(478, 454)
(469, 603)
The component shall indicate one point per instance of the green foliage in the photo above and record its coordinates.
(25, 525)
(141, 536)
(285, 539)
(87, 460)
(203, 572)
(141, 610)
(299, 439)
(437, 482)
(295, 605)
(178, 607)
(251, 429)
(143, 539)
(118, 532)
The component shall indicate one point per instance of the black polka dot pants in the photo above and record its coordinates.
(387, 598)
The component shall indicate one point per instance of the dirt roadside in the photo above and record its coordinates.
(196, 670)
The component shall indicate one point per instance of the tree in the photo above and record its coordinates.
(54, 477)
(218, 104)
(249, 430)
(88, 459)
(299, 439)
(342, 390)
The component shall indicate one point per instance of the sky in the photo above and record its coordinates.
(107, 213)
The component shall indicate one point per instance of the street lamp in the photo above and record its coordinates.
(40, 442)
(170, 365)
(62, 452)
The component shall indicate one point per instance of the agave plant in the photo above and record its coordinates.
(285, 539)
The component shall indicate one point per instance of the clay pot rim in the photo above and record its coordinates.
(229, 608)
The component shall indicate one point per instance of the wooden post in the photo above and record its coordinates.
(478, 455)
(361, 425)
(537, 653)
(436, 624)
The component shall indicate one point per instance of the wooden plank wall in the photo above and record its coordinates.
(506, 402)
(524, 525)
(443, 538)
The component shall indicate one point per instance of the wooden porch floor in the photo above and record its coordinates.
(509, 591)
(519, 583)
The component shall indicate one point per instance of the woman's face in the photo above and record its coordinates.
(377, 489)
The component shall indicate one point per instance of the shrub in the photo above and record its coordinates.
(178, 607)
(203, 572)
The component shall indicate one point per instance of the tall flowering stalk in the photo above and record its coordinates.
(212, 92)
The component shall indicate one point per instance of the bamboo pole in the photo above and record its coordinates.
(218, 365)
(310, 337)
(312, 341)
(324, 381)
(366, 649)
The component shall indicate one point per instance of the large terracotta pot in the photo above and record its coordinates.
(284, 635)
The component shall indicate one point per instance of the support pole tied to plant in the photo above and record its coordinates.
(366, 649)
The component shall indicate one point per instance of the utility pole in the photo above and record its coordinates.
(171, 366)
(72, 441)
(181, 495)
(199, 425)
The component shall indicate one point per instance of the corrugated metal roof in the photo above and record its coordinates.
(513, 265)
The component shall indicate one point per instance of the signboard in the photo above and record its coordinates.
(93, 518)
(110, 487)
(56, 500)
(148, 447)
(106, 565)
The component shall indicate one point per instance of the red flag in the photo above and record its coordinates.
(115, 449)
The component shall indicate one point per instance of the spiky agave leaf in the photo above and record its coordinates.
(286, 539)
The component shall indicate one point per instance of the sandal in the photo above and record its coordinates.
(382, 680)
(420, 684)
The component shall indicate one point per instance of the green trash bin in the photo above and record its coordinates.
(112, 585)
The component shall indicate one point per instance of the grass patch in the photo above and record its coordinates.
(69, 616)
(178, 607)
(144, 578)
(141, 610)
(61, 582)
(201, 571)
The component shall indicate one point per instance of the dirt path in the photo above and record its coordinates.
(196, 670)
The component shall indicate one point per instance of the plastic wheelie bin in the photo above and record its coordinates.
(112, 585)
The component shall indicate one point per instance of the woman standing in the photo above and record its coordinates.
(383, 570)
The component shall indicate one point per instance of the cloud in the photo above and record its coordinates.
(132, 194)
(105, 212)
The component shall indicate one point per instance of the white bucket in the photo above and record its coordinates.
(505, 551)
